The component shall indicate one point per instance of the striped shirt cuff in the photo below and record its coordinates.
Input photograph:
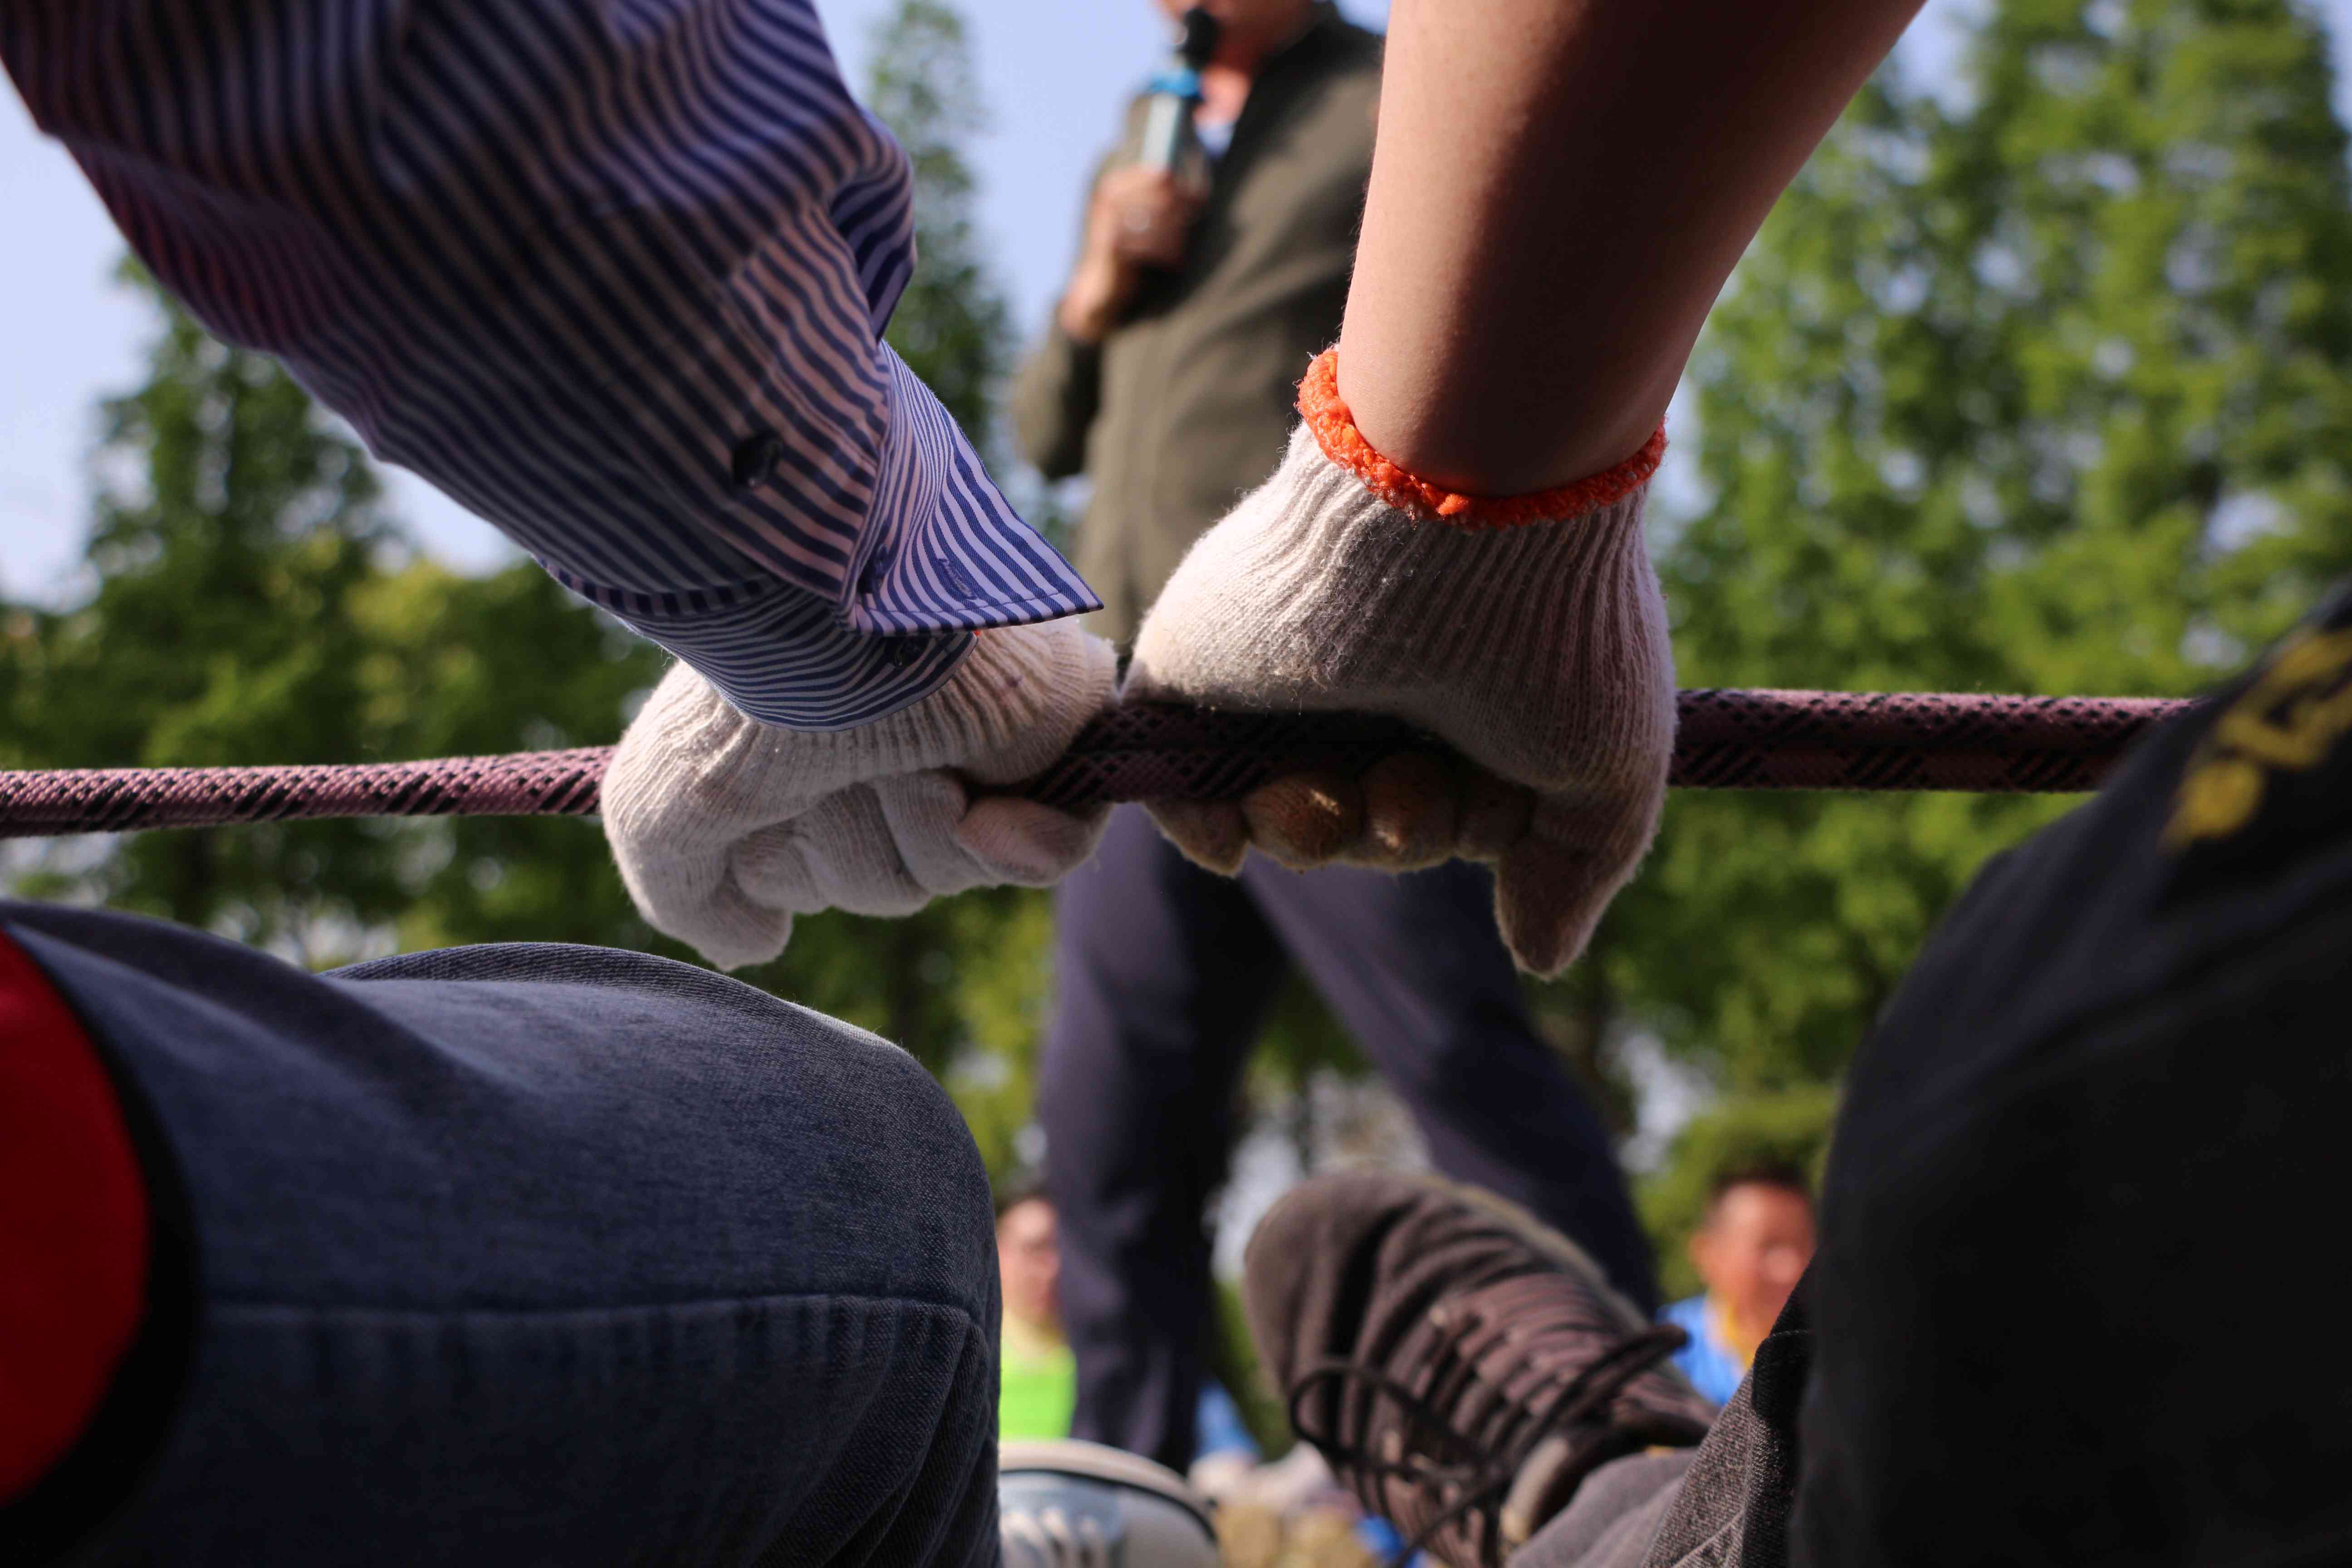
(941, 547)
(942, 554)
(781, 656)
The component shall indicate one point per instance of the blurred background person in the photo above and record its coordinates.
(1037, 1381)
(1749, 1250)
(1169, 378)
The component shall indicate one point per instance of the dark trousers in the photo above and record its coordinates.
(524, 1255)
(1163, 975)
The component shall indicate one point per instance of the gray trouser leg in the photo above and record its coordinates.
(1725, 1504)
(1611, 1521)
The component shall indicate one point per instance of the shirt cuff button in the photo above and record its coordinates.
(755, 460)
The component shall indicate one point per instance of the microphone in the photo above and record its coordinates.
(1175, 90)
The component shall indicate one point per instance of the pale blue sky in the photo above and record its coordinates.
(1053, 72)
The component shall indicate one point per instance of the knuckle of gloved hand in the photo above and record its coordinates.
(1306, 819)
(1495, 815)
(1412, 816)
(1211, 834)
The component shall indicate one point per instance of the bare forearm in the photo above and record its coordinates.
(1560, 190)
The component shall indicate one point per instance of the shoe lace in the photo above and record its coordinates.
(1486, 1475)
(1057, 1540)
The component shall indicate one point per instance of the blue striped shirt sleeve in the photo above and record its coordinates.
(613, 274)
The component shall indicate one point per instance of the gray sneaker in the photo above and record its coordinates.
(1462, 1366)
(1079, 1505)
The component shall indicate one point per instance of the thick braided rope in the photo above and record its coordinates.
(1727, 740)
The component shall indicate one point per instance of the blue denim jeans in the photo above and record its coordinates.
(525, 1255)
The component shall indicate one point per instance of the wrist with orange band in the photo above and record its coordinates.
(1328, 416)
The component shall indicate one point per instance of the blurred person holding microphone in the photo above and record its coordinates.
(1217, 244)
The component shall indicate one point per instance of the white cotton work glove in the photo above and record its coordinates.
(725, 828)
(1535, 644)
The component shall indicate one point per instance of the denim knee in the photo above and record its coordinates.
(526, 1126)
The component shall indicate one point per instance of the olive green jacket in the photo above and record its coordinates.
(1186, 404)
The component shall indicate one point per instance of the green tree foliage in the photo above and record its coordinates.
(2048, 389)
(952, 326)
(459, 666)
(233, 531)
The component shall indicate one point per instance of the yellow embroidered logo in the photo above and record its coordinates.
(2287, 721)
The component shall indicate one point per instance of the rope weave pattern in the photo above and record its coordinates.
(1727, 740)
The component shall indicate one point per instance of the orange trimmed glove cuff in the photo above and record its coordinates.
(1326, 415)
